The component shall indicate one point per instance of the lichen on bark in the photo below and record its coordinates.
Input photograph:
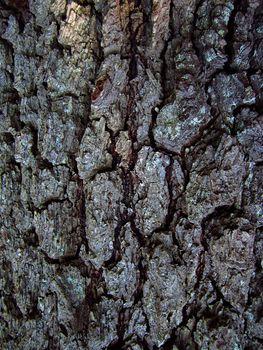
(131, 174)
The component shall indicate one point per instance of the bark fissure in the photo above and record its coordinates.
(130, 174)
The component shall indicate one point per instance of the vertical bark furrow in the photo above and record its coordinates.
(131, 174)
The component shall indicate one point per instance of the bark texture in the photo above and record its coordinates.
(131, 174)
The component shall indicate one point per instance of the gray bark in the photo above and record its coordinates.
(131, 174)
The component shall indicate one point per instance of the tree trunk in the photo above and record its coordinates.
(131, 182)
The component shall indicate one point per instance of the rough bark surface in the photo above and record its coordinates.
(131, 174)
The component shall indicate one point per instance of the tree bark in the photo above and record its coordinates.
(131, 174)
